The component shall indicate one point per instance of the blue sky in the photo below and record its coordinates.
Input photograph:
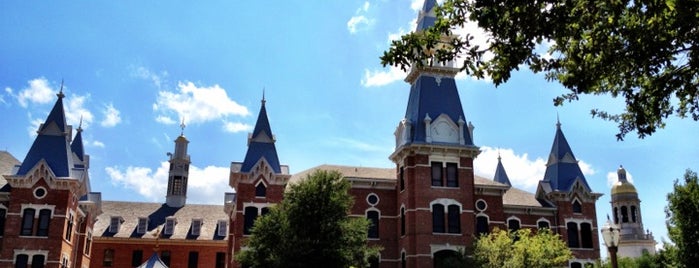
(134, 69)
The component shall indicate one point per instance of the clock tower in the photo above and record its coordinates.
(179, 172)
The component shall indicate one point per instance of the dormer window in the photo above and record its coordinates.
(196, 227)
(260, 190)
(114, 224)
(142, 225)
(169, 226)
(222, 228)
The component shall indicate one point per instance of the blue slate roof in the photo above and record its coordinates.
(501, 175)
(427, 97)
(261, 144)
(77, 145)
(54, 147)
(562, 168)
(426, 20)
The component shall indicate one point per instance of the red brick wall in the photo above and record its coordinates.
(123, 252)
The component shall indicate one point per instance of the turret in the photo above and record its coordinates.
(179, 172)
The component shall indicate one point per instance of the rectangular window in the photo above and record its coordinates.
(401, 179)
(373, 217)
(114, 223)
(142, 225)
(69, 227)
(136, 258)
(250, 216)
(586, 234)
(193, 260)
(573, 240)
(222, 228)
(481, 225)
(196, 227)
(220, 260)
(402, 221)
(3, 215)
(38, 261)
(437, 174)
(454, 221)
(169, 226)
(44, 222)
(27, 221)
(437, 218)
(165, 256)
(108, 259)
(513, 225)
(22, 261)
(88, 243)
(452, 175)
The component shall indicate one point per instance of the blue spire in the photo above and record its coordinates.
(501, 175)
(261, 144)
(77, 145)
(52, 143)
(426, 18)
(562, 168)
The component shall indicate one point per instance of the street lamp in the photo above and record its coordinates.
(610, 234)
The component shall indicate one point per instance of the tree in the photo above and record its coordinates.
(310, 228)
(644, 51)
(682, 221)
(521, 249)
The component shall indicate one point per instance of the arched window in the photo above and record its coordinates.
(250, 216)
(573, 240)
(542, 224)
(575, 265)
(264, 211)
(454, 219)
(402, 221)
(438, 218)
(27, 221)
(633, 213)
(446, 258)
(403, 261)
(401, 179)
(586, 234)
(44, 222)
(374, 261)
(481, 225)
(373, 217)
(616, 215)
(260, 190)
(22, 261)
(624, 214)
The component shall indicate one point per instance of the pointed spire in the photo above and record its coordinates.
(500, 174)
(426, 18)
(558, 121)
(562, 168)
(263, 97)
(261, 143)
(77, 145)
(60, 92)
(182, 126)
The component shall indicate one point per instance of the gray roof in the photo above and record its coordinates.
(7, 164)
(518, 197)
(157, 213)
(351, 172)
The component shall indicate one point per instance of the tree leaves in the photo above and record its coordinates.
(643, 51)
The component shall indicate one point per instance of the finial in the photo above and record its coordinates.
(558, 121)
(263, 96)
(157, 239)
(60, 92)
(80, 125)
(182, 126)
(608, 216)
(499, 154)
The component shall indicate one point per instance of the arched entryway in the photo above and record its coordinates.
(448, 259)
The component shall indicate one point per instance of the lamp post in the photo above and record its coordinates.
(610, 234)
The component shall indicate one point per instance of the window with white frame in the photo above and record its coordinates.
(142, 226)
(222, 228)
(114, 224)
(196, 226)
(69, 226)
(169, 228)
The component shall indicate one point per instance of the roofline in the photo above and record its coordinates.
(160, 241)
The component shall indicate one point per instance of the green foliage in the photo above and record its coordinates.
(521, 249)
(662, 259)
(644, 51)
(310, 228)
(683, 219)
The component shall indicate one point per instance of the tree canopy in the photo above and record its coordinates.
(310, 228)
(643, 51)
(683, 219)
(521, 249)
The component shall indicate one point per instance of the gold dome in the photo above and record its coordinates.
(623, 188)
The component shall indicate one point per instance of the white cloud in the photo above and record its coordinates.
(612, 178)
(76, 111)
(34, 126)
(39, 91)
(524, 173)
(196, 104)
(347, 143)
(96, 144)
(111, 116)
(235, 127)
(204, 185)
(416, 5)
(360, 22)
(158, 79)
(377, 78)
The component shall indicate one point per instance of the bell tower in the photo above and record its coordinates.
(626, 207)
(179, 172)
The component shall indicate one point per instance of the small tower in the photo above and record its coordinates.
(500, 174)
(179, 172)
(626, 207)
